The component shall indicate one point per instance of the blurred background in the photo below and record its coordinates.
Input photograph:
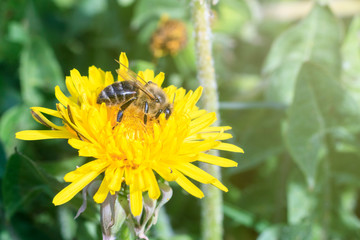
(289, 85)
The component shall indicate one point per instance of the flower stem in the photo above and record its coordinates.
(212, 214)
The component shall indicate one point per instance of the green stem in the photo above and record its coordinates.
(212, 214)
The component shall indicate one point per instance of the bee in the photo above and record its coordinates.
(147, 96)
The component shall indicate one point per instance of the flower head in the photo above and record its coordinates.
(169, 38)
(131, 152)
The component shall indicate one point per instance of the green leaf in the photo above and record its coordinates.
(244, 218)
(348, 222)
(125, 3)
(320, 106)
(259, 143)
(2, 160)
(283, 232)
(93, 7)
(297, 232)
(300, 203)
(316, 39)
(346, 168)
(239, 216)
(140, 65)
(17, 33)
(67, 224)
(13, 120)
(232, 16)
(40, 72)
(22, 182)
(65, 3)
(351, 59)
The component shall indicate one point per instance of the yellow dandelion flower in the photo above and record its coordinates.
(130, 151)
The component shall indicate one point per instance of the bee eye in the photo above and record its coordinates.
(157, 100)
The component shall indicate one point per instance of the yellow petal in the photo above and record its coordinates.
(159, 79)
(96, 165)
(78, 81)
(73, 176)
(148, 75)
(142, 184)
(197, 113)
(71, 88)
(95, 76)
(40, 118)
(78, 144)
(197, 147)
(219, 185)
(123, 59)
(136, 202)
(136, 185)
(202, 122)
(123, 66)
(200, 175)
(215, 160)
(47, 111)
(102, 192)
(109, 79)
(229, 147)
(195, 97)
(61, 96)
(90, 151)
(189, 186)
(218, 136)
(154, 191)
(195, 173)
(71, 190)
(164, 172)
(116, 180)
(216, 129)
(43, 134)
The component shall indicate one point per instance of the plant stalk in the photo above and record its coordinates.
(212, 214)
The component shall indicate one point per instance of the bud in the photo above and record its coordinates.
(141, 224)
(112, 217)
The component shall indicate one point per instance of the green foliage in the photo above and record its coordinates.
(315, 39)
(319, 100)
(290, 90)
(22, 183)
(39, 71)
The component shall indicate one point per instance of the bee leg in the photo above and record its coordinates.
(167, 113)
(119, 116)
(146, 110)
(158, 113)
(123, 108)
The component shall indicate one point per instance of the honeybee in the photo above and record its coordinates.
(147, 97)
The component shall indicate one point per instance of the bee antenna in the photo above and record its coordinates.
(174, 98)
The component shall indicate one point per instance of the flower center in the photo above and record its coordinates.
(133, 139)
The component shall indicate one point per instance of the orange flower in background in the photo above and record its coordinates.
(130, 151)
(169, 38)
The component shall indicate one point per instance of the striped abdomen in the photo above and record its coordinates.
(117, 93)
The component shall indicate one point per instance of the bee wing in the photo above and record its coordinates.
(132, 76)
